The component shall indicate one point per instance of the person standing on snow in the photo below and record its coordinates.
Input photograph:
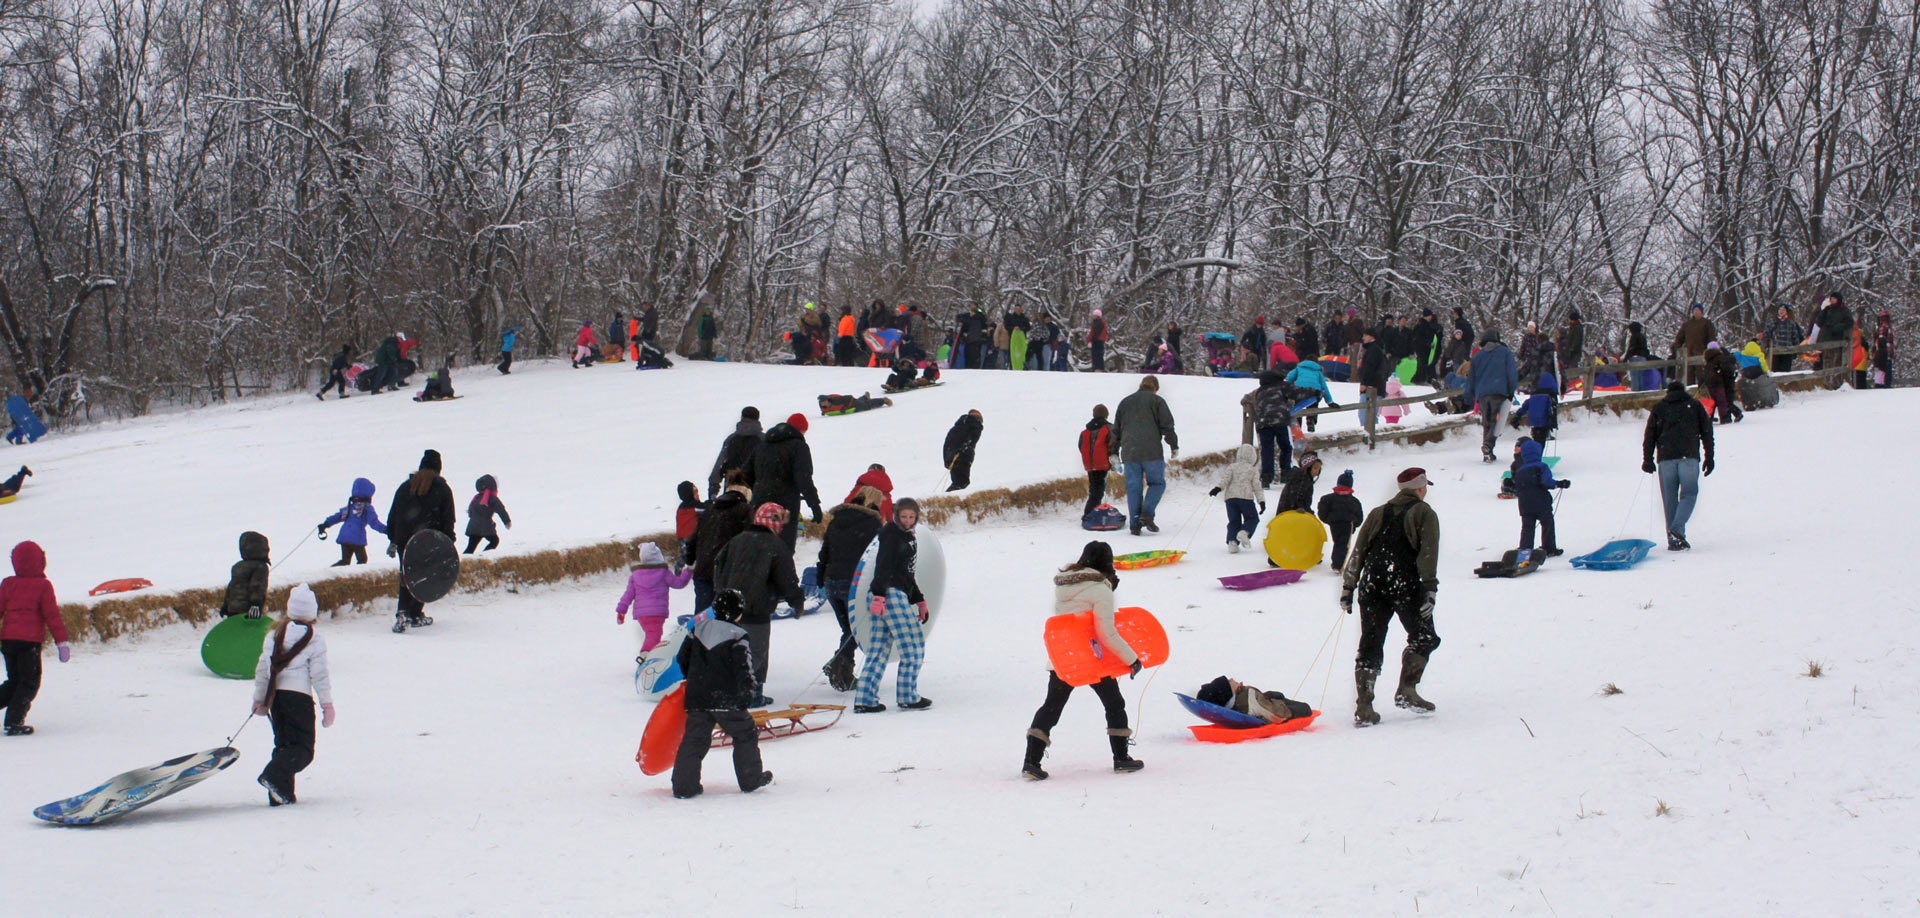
(1491, 382)
(726, 516)
(760, 566)
(646, 594)
(901, 627)
(851, 527)
(291, 675)
(354, 520)
(1096, 456)
(1097, 341)
(337, 372)
(247, 583)
(957, 451)
(736, 451)
(1342, 513)
(423, 502)
(1087, 585)
(28, 612)
(718, 662)
(583, 346)
(1533, 485)
(481, 510)
(1393, 567)
(1679, 434)
(782, 473)
(1139, 424)
(1691, 340)
(1371, 374)
(507, 338)
(1241, 489)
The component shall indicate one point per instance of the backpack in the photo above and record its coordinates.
(1104, 518)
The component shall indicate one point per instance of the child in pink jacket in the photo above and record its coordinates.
(646, 593)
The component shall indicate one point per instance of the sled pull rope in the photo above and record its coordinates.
(1140, 705)
(1183, 526)
(1632, 506)
(289, 554)
(1339, 631)
(1339, 616)
(243, 726)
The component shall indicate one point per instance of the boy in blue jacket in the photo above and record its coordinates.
(1542, 408)
(1534, 485)
(354, 518)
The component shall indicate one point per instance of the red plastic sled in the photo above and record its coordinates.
(1214, 733)
(661, 740)
(1078, 658)
(122, 585)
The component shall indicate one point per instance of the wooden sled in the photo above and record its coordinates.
(788, 721)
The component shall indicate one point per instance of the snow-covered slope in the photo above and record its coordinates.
(485, 765)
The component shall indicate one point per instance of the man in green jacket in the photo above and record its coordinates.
(1139, 424)
(1393, 567)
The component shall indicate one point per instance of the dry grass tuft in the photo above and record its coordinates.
(1815, 670)
(1611, 689)
(1660, 807)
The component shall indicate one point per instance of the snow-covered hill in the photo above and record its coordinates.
(485, 765)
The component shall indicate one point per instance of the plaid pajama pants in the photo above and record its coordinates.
(898, 629)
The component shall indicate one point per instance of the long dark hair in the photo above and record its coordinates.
(1097, 557)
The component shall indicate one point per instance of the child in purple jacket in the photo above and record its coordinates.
(647, 590)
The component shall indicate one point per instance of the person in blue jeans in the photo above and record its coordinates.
(1678, 446)
(1141, 422)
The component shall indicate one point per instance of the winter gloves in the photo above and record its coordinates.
(1706, 468)
(1133, 669)
(326, 715)
(818, 517)
(66, 651)
(1565, 484)
(1214, 493)
(1647, 466)
(253, 612)
(392, 549)
(1426, 603)
(1346, 599)
(619, 618)
(323, 531)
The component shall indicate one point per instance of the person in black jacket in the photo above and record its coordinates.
(1306, 340)
(758, 564)
(900, 628)
(851, 527)
(1272, 416)
(957, 452)
(337, 373)
(782, 473)
(1372, 376)
(718, 664)
(1425, 338)
(1342, 514)
(481, 510)
(736, 451)
(726, 516)
(1298, 492)
(1680, 435)
(424, 502)
(1461, 324)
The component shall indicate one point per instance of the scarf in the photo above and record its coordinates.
(283, 655)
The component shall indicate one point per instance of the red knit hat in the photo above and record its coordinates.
(771, 517)
(797, 421)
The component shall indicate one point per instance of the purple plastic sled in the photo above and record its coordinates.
(1260, 580)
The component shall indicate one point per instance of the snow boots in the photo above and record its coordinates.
(1037, 743)
(1363, 713)
(1412, 666)
(921, 705)
(1122, 762)
(1676, 541)
(1146, 522)
(402, 621)
(839, 670)
(19, 730)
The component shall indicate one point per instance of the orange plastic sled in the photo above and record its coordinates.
(121, 586)
(1214, 733)
(661, 740)
(1078, 658)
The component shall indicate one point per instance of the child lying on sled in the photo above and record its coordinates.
(1271, 707)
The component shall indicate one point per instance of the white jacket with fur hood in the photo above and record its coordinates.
(1084, 590)
(1243, 476)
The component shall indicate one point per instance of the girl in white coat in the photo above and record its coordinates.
(291, 674)
(1087, 586)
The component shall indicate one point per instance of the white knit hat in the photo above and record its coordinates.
(301, 604)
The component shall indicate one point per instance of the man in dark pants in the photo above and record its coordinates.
(1392, 567)
(759, 566)
(720, 685)
(1491, 382)
(782, 473)
(958, 449)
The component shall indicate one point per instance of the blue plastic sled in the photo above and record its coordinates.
(1617, 555)
(1215, 714)
(27, 426)
(816, 595)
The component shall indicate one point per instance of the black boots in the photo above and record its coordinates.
(1037, 742)
(1146, 522)
(1363, 713)
(1412, 666)
(1122, 762)
(839, 670)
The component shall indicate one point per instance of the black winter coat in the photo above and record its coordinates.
(850, 529)
(893, 566)
(1337, 508)
(1373, 368)
(1573, 345)
(717, 661)
(480, 513)
(1835, 323)
(410, 513)
(726, 517)
(1426, 337)
(1334, 336)
(736, 452)
(961, 438)
(247, 587)
(1678, 428)
(757, 563)
(1306, 342)
(1297, 494)
(782, 469)
(1273, 402)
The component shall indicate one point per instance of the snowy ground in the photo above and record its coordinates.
(484, 766)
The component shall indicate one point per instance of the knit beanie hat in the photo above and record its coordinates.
(771, 517)
(1345, 480)
(750, 413)
(430, 460)
(729, 605)
(1219, 691)
(301, 604)
(1413, 479)
(797, 421)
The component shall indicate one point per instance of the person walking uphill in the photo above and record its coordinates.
(1087, 585)
(851, 527)
(337, 373)
(901, 627)
(481, 510)
(782, 472)
(1393, 571)
(1241, 489)
(1533, 485)
(1680, 436)
(1139, 424)
(958, 449)
(291, 675)
(423, 502)
(1491, 382)
(1096, 454)
(646, 594)
(758, 565)
(354, 519)
(736, 451)
(719, 664)
(726, 516)
(28, 612)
